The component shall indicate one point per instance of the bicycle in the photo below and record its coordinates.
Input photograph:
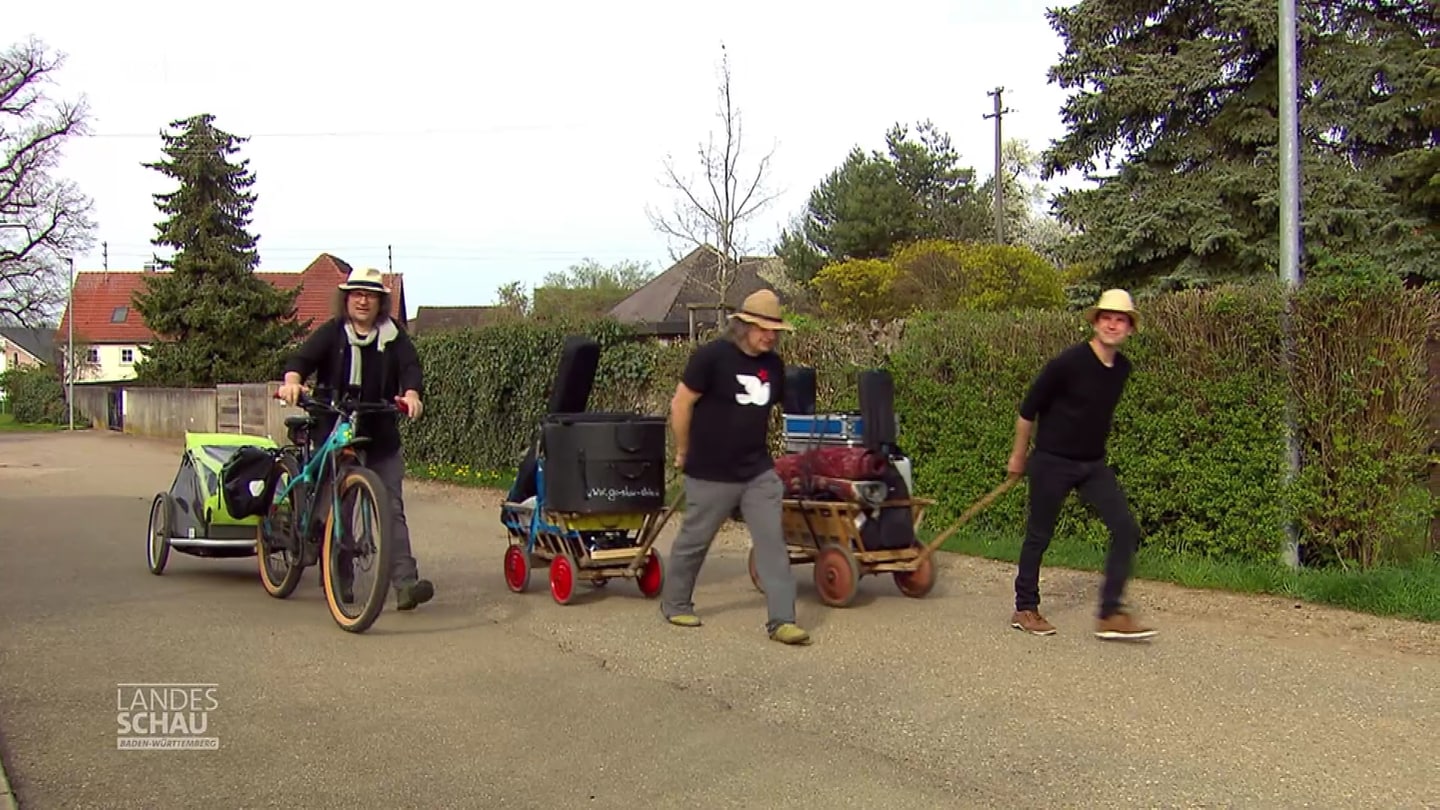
(306, 495)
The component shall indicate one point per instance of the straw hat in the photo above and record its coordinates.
(367, 279)
(1114, 301)
(762, 308)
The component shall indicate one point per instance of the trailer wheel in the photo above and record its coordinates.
(916, 584)
(652, 576)
(157, 550)
(837, 576)
(517, 568)
(562, 578)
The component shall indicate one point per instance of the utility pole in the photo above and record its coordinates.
(105, 255)
(70, 346)
(389, 258)
(999, 166)
(1289, 241)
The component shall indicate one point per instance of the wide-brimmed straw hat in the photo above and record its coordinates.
(762, 308)
(367, 279)
(1114, 301)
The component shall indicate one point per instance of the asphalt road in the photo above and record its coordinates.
(484, 698)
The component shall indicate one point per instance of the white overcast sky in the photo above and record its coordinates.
(502, 143)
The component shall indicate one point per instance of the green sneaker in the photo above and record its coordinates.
(684, 620)
(790, 634)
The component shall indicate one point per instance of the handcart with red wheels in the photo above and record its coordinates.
(848, 508)
(598, 484)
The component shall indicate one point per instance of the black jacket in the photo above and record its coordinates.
(384, 375)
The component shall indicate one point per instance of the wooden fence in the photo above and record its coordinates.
(251, 409)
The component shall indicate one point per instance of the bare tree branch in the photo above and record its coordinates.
(43, 220)
(713, 211)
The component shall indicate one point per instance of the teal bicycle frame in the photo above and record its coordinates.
(320, 468)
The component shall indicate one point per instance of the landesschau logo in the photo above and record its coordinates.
(165, 716)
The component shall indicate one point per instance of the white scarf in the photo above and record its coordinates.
(385, 331)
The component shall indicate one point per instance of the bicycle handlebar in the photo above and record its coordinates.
(352, 406)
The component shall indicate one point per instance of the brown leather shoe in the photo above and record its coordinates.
(1032, 622)
(1123, 627)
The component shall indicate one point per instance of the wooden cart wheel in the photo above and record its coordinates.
(517, 569)
(562, 578)
(754, 572)
(652, 576)
(916, 584)
(836, 575)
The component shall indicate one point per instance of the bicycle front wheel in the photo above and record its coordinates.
(355, 558)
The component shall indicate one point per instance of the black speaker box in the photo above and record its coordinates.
(877, 408)
(574, 380)
(800, 390)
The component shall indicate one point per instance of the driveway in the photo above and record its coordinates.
(484, 698)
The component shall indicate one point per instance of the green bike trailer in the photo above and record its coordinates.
(192, 517)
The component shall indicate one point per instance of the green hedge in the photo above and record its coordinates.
(1199, 440)
(487, 388)
(34, 395)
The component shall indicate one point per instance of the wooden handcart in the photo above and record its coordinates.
(827, 535)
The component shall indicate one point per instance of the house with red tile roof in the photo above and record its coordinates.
(109, 331)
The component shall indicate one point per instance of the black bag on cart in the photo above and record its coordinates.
(894, 527)
(247, 481)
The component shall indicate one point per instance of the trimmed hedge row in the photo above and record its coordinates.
(34, 394)
(1199, 440)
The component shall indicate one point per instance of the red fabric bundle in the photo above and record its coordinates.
(852, 463)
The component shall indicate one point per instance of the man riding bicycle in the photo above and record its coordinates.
(362, 352)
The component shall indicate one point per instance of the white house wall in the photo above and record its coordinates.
(108, 362)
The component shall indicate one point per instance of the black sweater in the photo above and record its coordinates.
(383, 376)
(1074, 398)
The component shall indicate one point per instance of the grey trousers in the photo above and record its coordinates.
(707, 505)
(391, 469)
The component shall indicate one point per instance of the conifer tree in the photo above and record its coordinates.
(216, 321)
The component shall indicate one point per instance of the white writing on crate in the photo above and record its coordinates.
(617, 493)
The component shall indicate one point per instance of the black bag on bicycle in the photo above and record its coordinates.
(247, 481)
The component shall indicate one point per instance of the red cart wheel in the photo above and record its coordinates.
(652, 576)
(916, 584)
(836, 575)
(562, 578)
(517, 569)
(754, 572)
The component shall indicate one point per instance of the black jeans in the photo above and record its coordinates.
(1052, 478)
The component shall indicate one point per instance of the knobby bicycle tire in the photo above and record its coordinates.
(286, 584)
(352, 477)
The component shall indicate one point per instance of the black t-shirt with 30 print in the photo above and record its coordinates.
(731, 422)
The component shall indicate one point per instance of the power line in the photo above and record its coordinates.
(417, 133)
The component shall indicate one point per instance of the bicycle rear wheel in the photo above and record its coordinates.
(357, 541)
(279, 535)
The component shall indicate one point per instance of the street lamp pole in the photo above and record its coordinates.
(1289, 241)
(70, 345)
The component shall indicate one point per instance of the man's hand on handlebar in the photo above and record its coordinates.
(290, 393)
(409, 402)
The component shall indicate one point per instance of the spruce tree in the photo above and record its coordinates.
(215, 320)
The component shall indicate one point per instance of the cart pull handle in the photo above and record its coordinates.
(652, 532)
(975, 509)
